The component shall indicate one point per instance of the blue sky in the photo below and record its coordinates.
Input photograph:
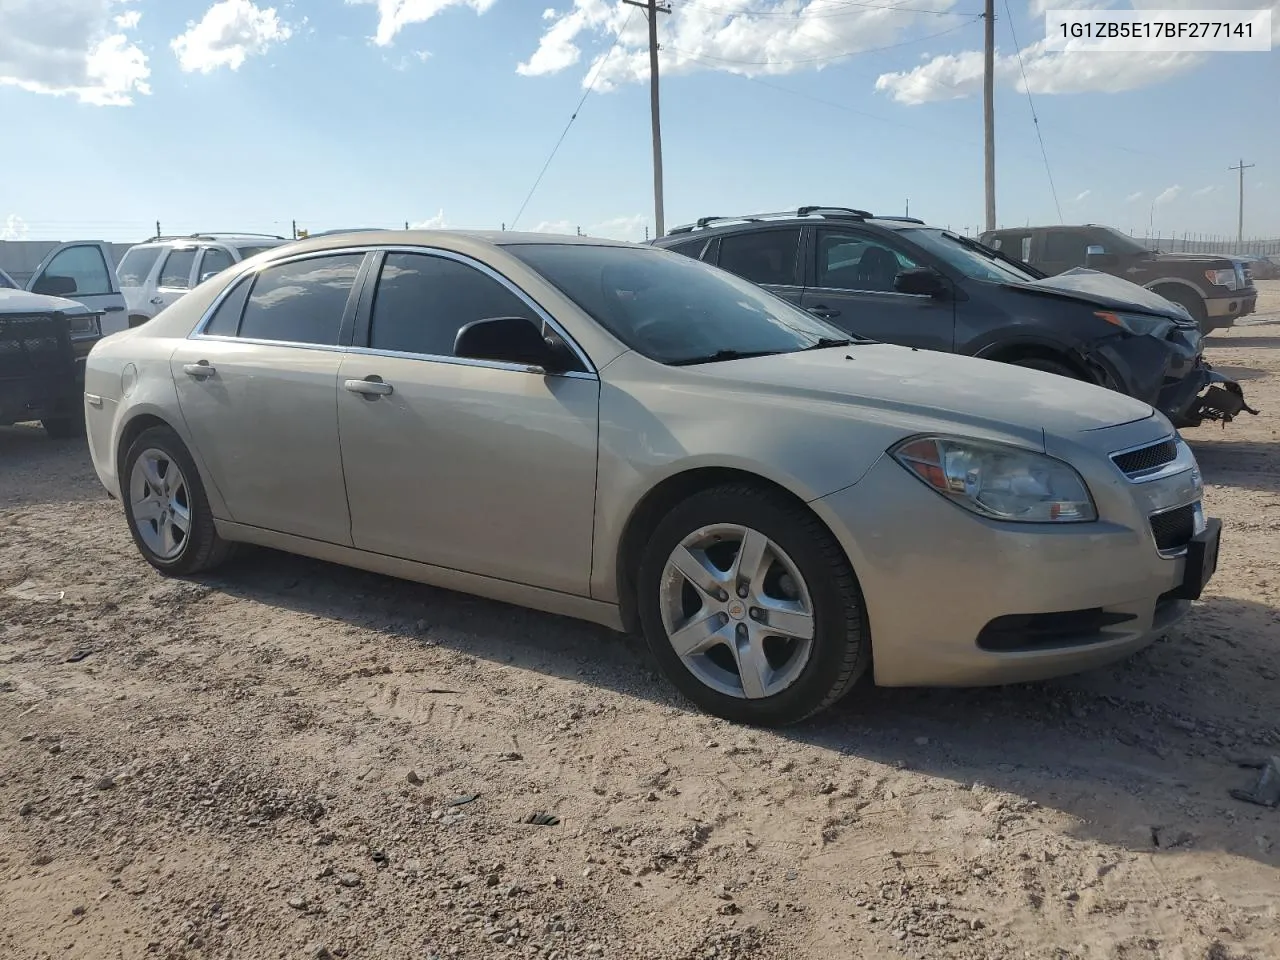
(241, 115)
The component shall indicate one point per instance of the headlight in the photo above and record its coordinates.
(1139, 324)
(84, 326)
(1222, 278)
(997, 481)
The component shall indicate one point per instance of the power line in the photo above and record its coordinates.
(574, 116)
(856, 8)
(1034, 119)
(834, 56)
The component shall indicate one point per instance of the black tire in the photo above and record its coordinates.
(841, 650)
(1048, 366)
(137, 320)
(1193, 304)
(63, 428)
(202, 548)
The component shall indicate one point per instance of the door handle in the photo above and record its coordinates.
(369, 388)
(157, 300)
(112, 309)
(201, 371)
(823, 311)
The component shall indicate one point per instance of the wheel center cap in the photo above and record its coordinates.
(737, 610)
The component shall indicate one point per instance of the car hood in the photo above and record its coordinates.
(20, 301)
(1105, 290)
(938, 388)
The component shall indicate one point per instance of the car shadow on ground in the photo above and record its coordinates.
(1127, 750)
(1246, 464)
(36, 469)
(1242, 342)
(1240, 373)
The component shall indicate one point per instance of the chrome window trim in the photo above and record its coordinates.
(197, 333)
(879, 293)
(1183, 461)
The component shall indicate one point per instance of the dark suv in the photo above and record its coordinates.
(1215, 290)
(897, 280)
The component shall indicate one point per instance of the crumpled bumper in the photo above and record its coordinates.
(1172, 376)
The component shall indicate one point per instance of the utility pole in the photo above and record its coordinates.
(989, 111)
(653, 8)
(908, 213)
(1242, 167)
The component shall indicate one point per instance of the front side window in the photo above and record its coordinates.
(1065, 247)
(854, 261)
(136, 265)
(673, 309)
(302, 301)
(422, 301)
(766, 257)
(176, 272)
(83, 266)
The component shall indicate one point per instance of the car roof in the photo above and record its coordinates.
(435, 238)
(752, 222)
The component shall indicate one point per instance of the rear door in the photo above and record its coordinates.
(853, 288)
(257, 386)
(83, 271)
(176, 277)
(770, 258)
(213, 260)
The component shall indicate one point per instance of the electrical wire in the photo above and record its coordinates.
(834, 56)
(1035, 120)
(855, 7)
(574, 116)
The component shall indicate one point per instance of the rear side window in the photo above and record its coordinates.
(215, 260)
(136, 265)
(301, 302)
(226, 319)
(423, 301)
(176, 272)
(768, 257)
(690, 248)
(84, 266)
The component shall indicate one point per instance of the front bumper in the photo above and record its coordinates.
(1226, 309)
(956, 600)
(1204, 394)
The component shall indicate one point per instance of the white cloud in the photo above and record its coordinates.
(229, 33)
(750, 37)
(1079, 197)
(15, 228)
(1167, 195)
(1133, 197)
(438, 222)
(395, 15)
(76, 48)
(1205, 191)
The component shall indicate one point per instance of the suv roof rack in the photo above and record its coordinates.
(835, 213)
(213, 236)
(899, 219)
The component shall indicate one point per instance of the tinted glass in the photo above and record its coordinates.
(176, 272)
(215, 261)
(967, 256)
(1060, 247)
(301, 302)
(226, 319)
(247, 252)
(671, 308)
(136, 265)
(768, 257)
(851, 261)
(421, 302)
(690, 248)
(85, 266)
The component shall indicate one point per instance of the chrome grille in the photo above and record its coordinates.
(1133, 463)
(1174, 529)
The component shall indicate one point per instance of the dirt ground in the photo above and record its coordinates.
(297, 760)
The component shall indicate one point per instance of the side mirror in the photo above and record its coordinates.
(511, 340)
(52, 285)
(208, 276)
(921, 281)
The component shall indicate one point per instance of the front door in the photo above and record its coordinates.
(480, 467)
(174, 279)
(853, 289)
(83, 272)
(1061, 250)
(257, 391)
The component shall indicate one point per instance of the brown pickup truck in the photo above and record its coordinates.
(1214, 290)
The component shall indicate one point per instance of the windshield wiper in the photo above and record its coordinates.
(992, 254)
(721, 355)
(824, 342)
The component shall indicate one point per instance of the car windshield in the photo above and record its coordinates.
(1117, 242)
(673, 309)
(967, 256)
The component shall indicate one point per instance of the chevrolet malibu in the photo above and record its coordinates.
(624, 435)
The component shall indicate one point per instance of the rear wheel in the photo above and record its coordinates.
(137, 320)
(751, 608)
(165, 505)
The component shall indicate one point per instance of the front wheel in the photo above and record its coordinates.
(751, 608)
(1193, 304)
(166, 507)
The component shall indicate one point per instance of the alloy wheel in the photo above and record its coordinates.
(160, 503)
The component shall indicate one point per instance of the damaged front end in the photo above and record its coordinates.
(1171, 374)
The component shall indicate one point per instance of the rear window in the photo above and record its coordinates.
(136, 265)
(247, 252)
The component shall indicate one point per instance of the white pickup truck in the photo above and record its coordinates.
(82, 271)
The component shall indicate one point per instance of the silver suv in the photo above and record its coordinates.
(160, 271)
